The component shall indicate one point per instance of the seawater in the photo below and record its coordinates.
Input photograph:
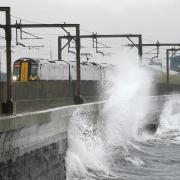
(115, 145)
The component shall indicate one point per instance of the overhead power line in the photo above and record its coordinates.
(23, 19)
(148, 39)
(88, 31)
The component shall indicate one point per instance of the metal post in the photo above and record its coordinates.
(59, 49)
(78, 99)
(140, 50)
(8, 55)
(8, 105)
(0, 68)
(167, 66)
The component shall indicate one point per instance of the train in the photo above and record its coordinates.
(34, 69)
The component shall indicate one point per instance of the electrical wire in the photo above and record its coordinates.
(150, 40)
(53, 34)
(24, 19)
(86, 30)
(99, 42)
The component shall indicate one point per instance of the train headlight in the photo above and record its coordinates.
(14, 78)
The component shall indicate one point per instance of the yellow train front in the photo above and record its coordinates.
(25, 69)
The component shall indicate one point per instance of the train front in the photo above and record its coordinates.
(25, 69)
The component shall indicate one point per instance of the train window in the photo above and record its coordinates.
(34, 68)
(16, 69)
(16, 72)
(33, 72)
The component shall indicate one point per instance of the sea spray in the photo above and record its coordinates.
(169, 122)
(91, 147)
(128, 104)
(86, 149)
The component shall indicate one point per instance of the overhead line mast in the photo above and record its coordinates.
(95, 36)
(8, 26)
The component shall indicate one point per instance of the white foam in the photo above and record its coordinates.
(123, 115)
(169, 123)
(128, 105)
(134, 160)
(85, 146)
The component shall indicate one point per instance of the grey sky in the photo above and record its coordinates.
(154, 19)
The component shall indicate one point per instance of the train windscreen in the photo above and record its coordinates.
(33, 71)
(16, 71)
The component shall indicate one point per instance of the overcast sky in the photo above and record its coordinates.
(154, 19)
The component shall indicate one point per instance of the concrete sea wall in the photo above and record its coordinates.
(33, 145)
(39, 95)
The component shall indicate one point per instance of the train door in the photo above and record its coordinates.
(24, 71)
